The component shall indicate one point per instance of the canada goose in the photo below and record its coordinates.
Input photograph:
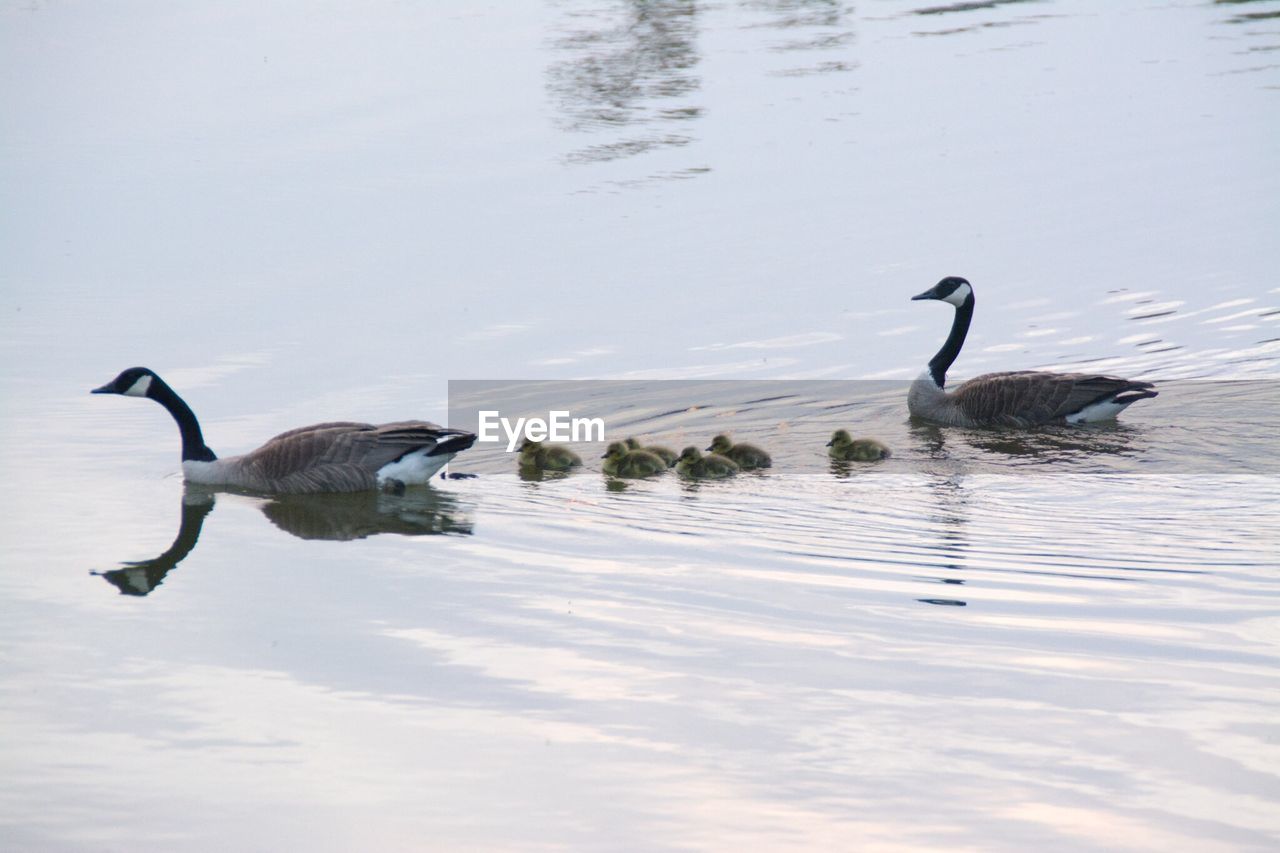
(747, 456)
(329, 457)
(665, 453)
(714, 467)
(844, 446)
(620, 462)
(1018, 399)
(547, 457)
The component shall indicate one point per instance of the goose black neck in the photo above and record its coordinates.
(193, 446)
(941, 362)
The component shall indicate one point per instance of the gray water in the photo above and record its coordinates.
(1066, 639)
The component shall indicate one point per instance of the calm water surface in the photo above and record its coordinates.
(1060, 639)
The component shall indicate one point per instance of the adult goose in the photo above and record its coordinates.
(1017, 399)
(341, 456)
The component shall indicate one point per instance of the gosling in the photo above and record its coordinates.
(537, 456)
(620, 462)
(844, 447)
(714, 467)
(665, 453)
(747, 456)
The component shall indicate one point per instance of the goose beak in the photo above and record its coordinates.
(708, 448)
(928, 294)
(105, 389)
(831, 442)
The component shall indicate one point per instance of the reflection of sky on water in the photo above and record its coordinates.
(526, 666)
(463, 682)
(637, 74)
(841, 163)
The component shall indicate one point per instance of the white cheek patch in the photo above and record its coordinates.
(959, 295)
(139, 388)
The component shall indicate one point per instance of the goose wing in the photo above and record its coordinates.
(344, 455)
(1027, 398)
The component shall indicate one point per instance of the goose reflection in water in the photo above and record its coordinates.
(139, 577)
(1114, 442)
(1098, 444)
(417, 512)
(335, 517)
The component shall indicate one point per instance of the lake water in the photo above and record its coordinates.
(684, 218)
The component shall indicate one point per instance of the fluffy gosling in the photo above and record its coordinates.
(665, 453)
(621, 462)
(547, 457)
(714, 467)
(747, 456)
(843, 446)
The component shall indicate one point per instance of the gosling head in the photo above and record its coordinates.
(632, 444)
(840, 438)
(134, 382)
(615, 449)
(530, 447)
(720, 444)
(690, 454)
(952, 290)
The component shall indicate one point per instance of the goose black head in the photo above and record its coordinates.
(952, 289)
(134, 382)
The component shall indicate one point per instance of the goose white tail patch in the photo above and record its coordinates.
(1104, 410)
(413, 468)
(139, 388)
